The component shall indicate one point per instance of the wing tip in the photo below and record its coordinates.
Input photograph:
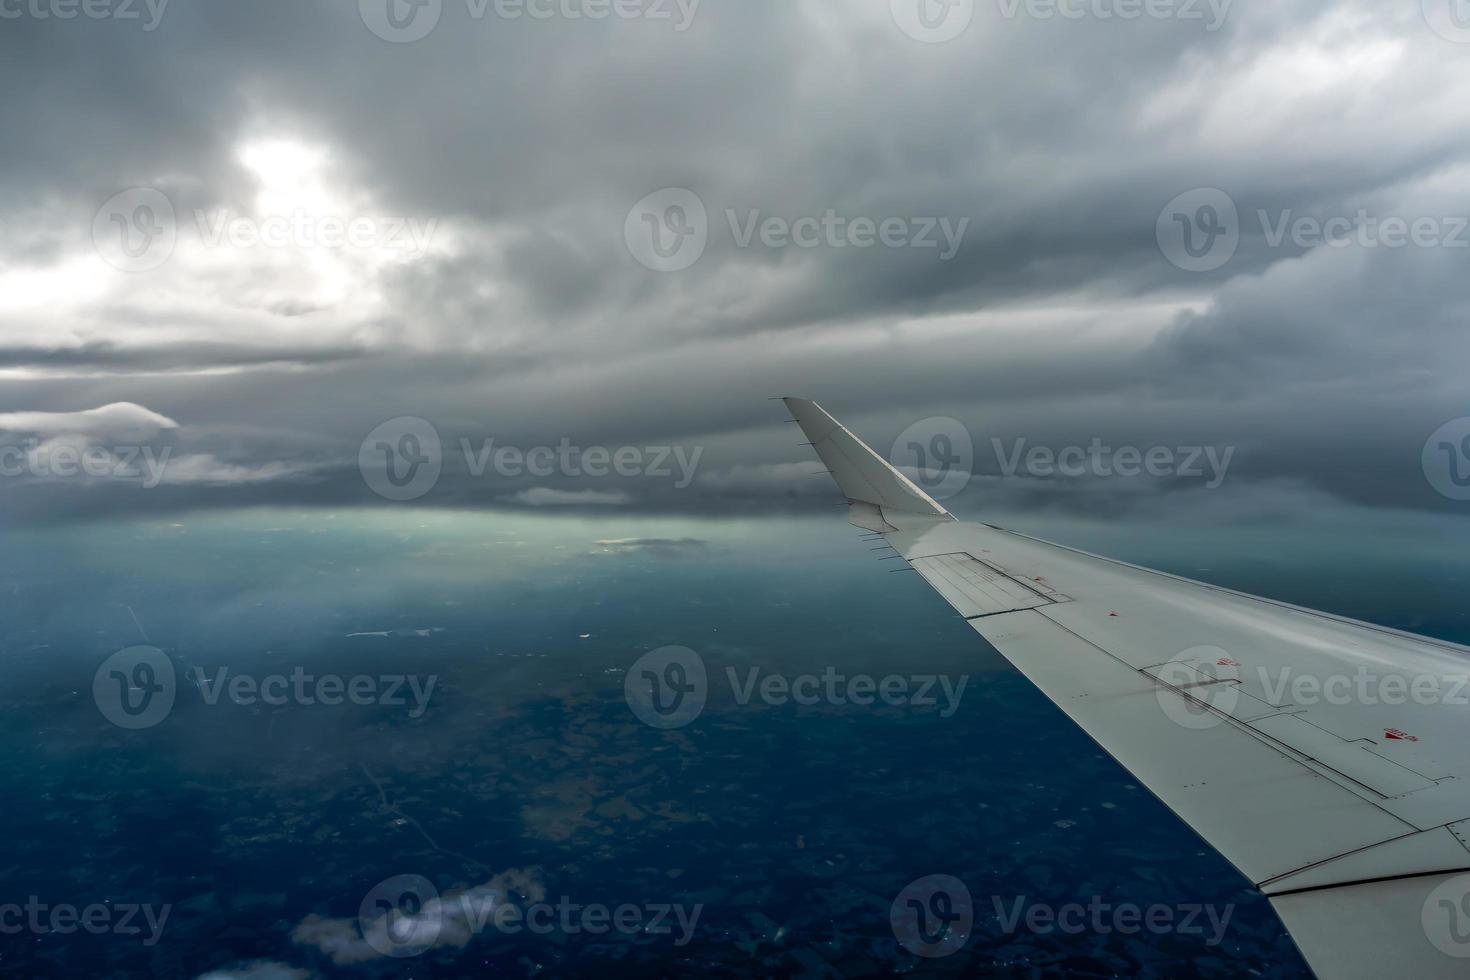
(860, 473)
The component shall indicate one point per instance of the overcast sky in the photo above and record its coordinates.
(237, 238)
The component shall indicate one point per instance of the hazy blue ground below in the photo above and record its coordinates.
(794, 827)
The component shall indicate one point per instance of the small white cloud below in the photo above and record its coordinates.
(660, 547)
(456, 918)
(113, 420)
(204, 468)
(547, 497)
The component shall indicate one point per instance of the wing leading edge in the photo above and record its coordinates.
(1352, 815)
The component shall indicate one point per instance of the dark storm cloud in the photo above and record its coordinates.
(1054, 144)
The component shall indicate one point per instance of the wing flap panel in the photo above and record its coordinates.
(977, 588)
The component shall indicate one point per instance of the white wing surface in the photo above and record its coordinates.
(1327, 759)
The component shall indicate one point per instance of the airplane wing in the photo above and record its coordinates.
(1327, 759)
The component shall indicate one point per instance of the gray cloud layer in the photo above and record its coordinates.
(518, 147)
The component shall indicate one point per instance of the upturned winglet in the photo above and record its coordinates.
(880, 497)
